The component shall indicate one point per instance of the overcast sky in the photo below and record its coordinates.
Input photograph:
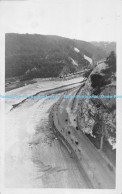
(90, 20)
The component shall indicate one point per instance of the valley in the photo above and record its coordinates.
(52, 139)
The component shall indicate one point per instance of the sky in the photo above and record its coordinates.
(89, 20)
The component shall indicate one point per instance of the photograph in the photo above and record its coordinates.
(60, 94)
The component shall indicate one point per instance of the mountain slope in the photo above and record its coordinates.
(107, 46)
(46, 55)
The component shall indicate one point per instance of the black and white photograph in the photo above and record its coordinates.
(60, 94)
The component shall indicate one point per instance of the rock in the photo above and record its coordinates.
(99, 113)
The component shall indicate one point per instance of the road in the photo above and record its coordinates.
(37, 158)
(94, 166)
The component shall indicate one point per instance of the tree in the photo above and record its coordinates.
(105, 122)
(111, 61)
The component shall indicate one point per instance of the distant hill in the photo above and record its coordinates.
(107, 46)
(47, 55)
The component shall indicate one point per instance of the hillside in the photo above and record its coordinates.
(107, 46)
(46, 55)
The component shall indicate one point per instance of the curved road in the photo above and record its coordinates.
(37, 158)
(94, 167)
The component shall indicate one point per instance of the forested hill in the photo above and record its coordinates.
(107, 46)
(47, 55)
